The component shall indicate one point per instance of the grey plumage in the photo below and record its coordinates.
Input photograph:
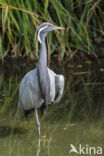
(43, 76)
(41, 85)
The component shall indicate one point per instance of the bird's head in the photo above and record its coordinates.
(44, 29)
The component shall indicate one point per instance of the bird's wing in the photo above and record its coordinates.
(29, 91)
(59, 86)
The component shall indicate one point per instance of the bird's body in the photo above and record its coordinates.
(40, 86)
(29, 92)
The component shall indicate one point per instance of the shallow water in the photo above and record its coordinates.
(76, 119)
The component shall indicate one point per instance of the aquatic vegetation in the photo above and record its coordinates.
(8, 92)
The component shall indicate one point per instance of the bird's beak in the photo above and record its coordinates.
(59, 28)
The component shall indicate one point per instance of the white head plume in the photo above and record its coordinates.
(40, 32)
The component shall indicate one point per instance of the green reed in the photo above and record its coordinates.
(83, 22)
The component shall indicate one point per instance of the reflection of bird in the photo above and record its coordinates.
(73, 149)
(41, 86)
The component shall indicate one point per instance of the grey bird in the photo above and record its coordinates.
(41, 86)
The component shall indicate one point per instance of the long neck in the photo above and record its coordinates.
(42, 72)
(43, 55)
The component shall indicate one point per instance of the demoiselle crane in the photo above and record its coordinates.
(41, 86)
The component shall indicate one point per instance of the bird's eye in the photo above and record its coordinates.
(48, 25)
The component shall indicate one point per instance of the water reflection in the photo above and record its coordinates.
(38, 148)
(5, 131)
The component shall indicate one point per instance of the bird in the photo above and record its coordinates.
(41, 86)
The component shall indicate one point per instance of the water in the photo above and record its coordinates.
(76, 119)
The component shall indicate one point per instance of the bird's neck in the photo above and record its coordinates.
(43, 54)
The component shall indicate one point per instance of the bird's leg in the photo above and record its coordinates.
(37, 121)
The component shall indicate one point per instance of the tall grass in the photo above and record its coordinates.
(83, 22)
